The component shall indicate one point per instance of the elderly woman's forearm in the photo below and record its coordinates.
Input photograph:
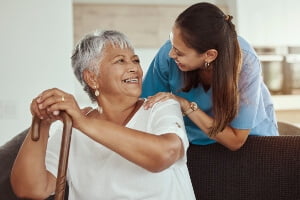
(29, 175)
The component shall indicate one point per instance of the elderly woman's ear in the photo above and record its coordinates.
(90, 78)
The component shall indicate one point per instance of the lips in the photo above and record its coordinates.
(131, 80)
(179, 64)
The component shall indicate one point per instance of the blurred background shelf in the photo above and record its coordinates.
(287, 108)
(280, 68)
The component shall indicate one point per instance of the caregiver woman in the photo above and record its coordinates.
(215, 75)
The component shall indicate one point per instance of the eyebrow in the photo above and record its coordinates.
(178, 51)
(121, 55)
(118, 55)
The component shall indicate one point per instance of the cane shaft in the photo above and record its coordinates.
(63, 157)
(64, 151)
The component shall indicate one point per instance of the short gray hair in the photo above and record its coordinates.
(88, 53)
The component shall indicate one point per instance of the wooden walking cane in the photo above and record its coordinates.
(64, 152)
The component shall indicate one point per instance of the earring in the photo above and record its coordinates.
(100, 109)
(97, 93)
(206, 65)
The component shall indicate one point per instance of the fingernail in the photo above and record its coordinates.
(56, 112)
(40, 106)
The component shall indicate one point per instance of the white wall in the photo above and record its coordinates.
(269, 22)
(36, 38)
(161, 2)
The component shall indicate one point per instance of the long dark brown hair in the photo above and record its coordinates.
(204, 26)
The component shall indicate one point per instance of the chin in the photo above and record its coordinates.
(136, 94)
(183, 69)
(139, 94)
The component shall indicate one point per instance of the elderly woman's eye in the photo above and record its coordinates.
(136, 60)
(120, 61)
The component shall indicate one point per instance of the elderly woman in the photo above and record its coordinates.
(118, 150)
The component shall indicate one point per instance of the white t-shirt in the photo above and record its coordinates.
(96, 172)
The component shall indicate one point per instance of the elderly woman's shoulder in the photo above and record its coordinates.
(171, 103)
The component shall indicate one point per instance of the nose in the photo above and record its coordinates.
(133, 67)
(132, 70)
(172, 54)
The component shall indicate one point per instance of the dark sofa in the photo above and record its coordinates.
(265, 167)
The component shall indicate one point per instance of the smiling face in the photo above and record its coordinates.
(187, 59)
(120, 73)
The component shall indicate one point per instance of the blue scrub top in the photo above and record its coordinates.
(256, 111)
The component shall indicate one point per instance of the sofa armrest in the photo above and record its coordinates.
(266, 167)
(8, 153)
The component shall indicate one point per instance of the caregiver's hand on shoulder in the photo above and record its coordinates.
(163, 96)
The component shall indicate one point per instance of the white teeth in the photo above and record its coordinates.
(131, 80)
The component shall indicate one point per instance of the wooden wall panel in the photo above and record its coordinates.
(147, 26)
